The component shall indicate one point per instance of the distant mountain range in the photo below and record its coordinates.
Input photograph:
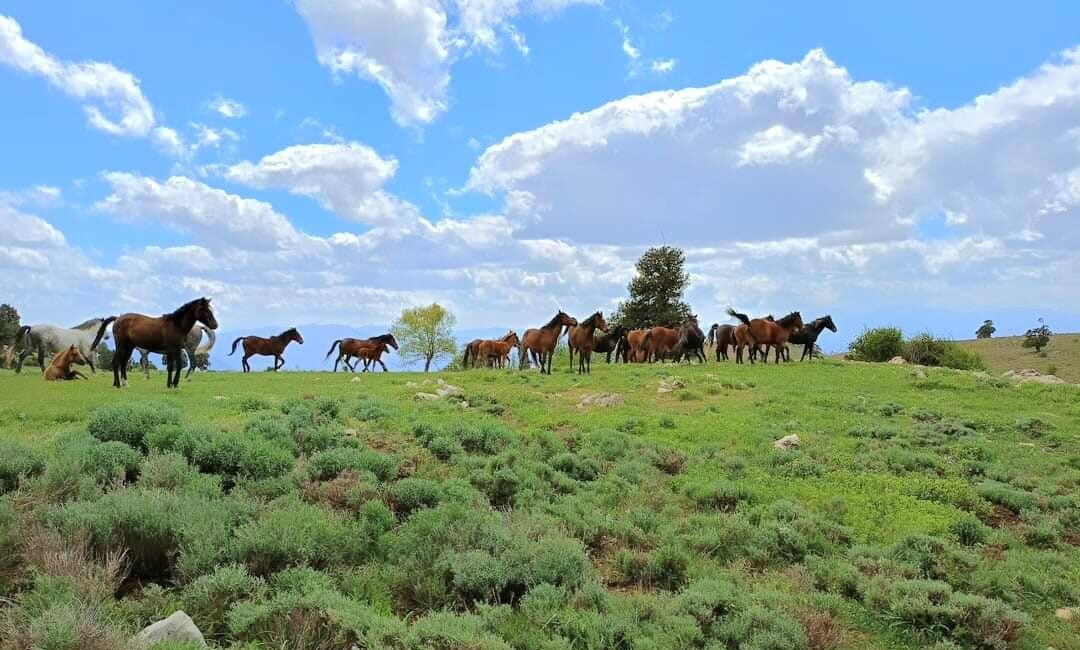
(317, 340)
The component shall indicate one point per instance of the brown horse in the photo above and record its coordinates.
(162, 335)
(722, 336)
(761, 331)
(471, 352)
(610, 343)
(60, 367)
(662, 341)
(581, 338)
(369, 350)
(497, 353)
(541, 342)
(636, 349)
(267, 347)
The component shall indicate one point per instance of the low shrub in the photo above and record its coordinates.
(292, 533)
(129, 422)
(170, 471)
(329, 464)
(576, 467)
(969, 531)
(107, 462)
(719, 495)
(444, 447)
(370, 410)
(233, 455)
(250, 403)
(17, 462)
(208, 599)
(924, 350)
(411, 494)
(664, 568)
(879, 344)
(1006, 496)
(961, 358)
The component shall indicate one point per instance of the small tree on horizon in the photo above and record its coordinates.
(425, 334)
(1038, 337)
(656, 292)
(9, 324)
(986, 330)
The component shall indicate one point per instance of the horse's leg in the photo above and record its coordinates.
(41, 357)
(22, 357)
(191, 362)
(384, 368)
(278, 362)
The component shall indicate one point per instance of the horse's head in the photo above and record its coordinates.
(600, 323)
(204, 314)
(792, 322)
(75, 355)
(512, 338)
(566, 319)
(828, 322)
(292, 334)
(391, 341)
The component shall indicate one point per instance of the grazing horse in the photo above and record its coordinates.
(611, 342)
(162, 335)
(497, 353)
(662, 341)
(541, 342)
(368, 350)
(582, 339)
(267, 347)
(50, 339)
(60, 367)
(471, 352)
(760, 331)
(691, 341)
(809, 334)
(636, 349)
(191, 348)
(722, 336)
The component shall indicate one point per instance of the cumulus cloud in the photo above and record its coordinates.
(663, 66)
(227, 108)
(347, 179)
(113, 101)
(408, 46)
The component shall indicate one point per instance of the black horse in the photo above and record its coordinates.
(808, 335)
(609, 343)
(691, 341)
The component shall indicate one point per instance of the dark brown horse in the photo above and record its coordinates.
(541, 342)
(369, 350)
(761, 331)
(722, 336)
(808, 335)
(60, 367)
(267, 347)
(662, 342)
(691, 341)
(496, 353)
(471, 352)
(162, 335)
(582, 339)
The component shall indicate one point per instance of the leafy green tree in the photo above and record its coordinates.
(9, 324)
(1038, 337)
(656, 292)
(986, 330)
(425, 334)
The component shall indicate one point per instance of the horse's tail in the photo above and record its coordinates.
(712, 334)
(234, 344)
(101, 332)
(211, 339)
(335, 344)
(734, 314)
(465, 360)
(24, 334)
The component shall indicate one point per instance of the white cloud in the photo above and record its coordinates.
(409, 46)
(113, 101)
(347, 179)
(227, 108)
(663, 66)
(628, 47)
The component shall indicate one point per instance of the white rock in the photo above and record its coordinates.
(178, 627)
(603, 400)
(427, 397)
(897, 360)
(355, 379)
(449, 389)
(787, 442)
(1067, 613)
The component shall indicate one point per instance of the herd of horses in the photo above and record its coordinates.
(180, 332)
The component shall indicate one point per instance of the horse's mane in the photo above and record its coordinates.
(93, 322)
(183, 309)
(291, 329)
(506, 337)
(554, 321)
(789, 319)
(382, 338)
(591, 320)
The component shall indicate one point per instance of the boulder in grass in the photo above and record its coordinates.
(898, 361)
(603, 400)
(788, 442)
(178, 628)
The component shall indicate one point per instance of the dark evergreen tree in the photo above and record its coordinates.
(986, 330)
(1038, 337)
(656, 292)
(9, 324)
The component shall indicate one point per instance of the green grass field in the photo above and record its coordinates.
(313, 510)
(1061, 357)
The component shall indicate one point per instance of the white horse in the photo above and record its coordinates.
(50, 339)
(191, 347)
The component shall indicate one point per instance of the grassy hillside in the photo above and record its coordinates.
(1061, 357)
(311, 510)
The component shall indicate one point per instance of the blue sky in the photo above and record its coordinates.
(332, 162)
